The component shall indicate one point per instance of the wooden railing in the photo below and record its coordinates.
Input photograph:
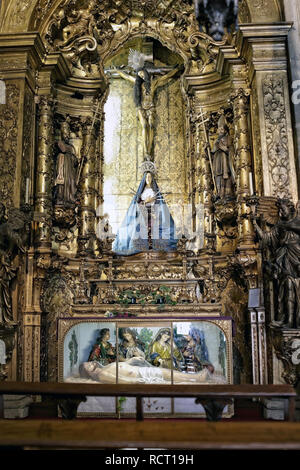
(150, 433)
(212, 397)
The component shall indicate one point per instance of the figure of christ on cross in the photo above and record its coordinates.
(145, 86)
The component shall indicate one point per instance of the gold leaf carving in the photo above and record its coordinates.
(276, 136)
(9, 143)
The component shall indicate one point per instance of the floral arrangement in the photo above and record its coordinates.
(160, 297)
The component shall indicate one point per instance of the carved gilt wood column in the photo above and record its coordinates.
(44, 172)
(42, 218)
(240, 100)
(205, 181)
(88, 190)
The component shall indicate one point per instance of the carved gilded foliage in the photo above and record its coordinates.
(91, 34)
(276, 136)
(57, 296)
(9, 143)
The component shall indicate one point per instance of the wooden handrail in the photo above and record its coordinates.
(148, 390)
(161, 434)
(205, 394)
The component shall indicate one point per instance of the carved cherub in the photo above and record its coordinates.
(79, 23)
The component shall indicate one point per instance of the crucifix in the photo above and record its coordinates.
(145, 87)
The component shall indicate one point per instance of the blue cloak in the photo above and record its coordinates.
(132, 236)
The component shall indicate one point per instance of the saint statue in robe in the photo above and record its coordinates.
(160, 351)
(148, 224)
(223, 161)
(66, 168)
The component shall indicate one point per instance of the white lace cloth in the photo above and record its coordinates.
(151, 375)
(148, 192)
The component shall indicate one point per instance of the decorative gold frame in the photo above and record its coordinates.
(224, 324)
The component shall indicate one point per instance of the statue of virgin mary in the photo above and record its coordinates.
(148, 224)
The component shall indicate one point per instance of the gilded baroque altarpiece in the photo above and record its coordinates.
(62, 63)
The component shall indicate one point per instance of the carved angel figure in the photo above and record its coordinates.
(284, 242)
(145, 86)
(79, 23)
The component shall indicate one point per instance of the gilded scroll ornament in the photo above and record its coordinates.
(94, 33)
(82, 288)
(212, 280)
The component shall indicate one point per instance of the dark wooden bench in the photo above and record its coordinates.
(212, 397)
(151, 434)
